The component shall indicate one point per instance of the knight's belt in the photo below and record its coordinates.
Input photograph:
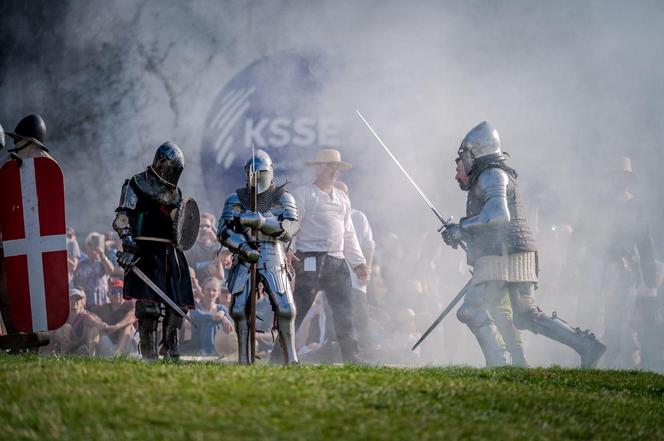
(153, 239)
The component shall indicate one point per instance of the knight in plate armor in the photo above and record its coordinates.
(276, 220)
(502, 251)
(147, 220)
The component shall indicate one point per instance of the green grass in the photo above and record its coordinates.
(100, 399)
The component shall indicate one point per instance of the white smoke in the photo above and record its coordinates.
(568, 85)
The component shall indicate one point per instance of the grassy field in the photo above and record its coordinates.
(102, 399)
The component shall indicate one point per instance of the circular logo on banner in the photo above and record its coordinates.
(274, 104)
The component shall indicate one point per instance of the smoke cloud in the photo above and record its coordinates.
(569, 85)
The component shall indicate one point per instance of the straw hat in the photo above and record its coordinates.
(330, 156)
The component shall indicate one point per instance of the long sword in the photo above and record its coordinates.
(445, 222)
(141, 275)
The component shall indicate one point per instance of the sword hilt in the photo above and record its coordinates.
(446, 222)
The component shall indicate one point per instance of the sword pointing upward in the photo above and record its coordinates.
(445, 222)
(141, 275)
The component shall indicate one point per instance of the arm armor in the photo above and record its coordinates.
(286, 225)
(232, 210)
(492, 184)
(128, 197)
(237, 243)
(229, 217)
(124, 222)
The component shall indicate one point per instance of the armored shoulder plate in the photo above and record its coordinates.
(289, 208)
(128, 197)
(492, 183)
(232, 209)
(489, 196)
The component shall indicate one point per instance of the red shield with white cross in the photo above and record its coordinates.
(32, 215)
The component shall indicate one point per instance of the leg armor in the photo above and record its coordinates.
(501, 311)
(239, 313)
(284, 309)
(170, 328)
(475, 315)
(148, 319)
(527, 315)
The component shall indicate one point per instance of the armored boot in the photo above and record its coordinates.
(583, 342)
(171, 327)
(492, 345)
(148, 320)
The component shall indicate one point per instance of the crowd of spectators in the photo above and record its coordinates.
(102, 323)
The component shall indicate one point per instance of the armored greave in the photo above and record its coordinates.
(491, 344)
(148, 320)
(584, 342)
(529, 316)
(475, 315)
(239, 313)
(501, 312)
(170, 328)
(285, 312)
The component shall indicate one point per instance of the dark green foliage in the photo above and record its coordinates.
(121, 399)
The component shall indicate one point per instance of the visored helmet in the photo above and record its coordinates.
(482, 140)
(168, 163)
(261, 164)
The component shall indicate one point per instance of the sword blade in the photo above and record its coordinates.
(403, 170)
(141, 275)
(442, 315)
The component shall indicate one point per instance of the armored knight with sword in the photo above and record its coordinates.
(155, 224)
(501, 249)
(256, 221)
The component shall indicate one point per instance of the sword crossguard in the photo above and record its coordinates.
(446, 222)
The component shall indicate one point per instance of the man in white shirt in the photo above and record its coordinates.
(368, 246)
(326, 246)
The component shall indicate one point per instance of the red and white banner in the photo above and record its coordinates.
(32, 216)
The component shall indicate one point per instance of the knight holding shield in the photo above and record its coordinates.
(155, 224)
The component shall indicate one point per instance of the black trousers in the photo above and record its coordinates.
(332, 276)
